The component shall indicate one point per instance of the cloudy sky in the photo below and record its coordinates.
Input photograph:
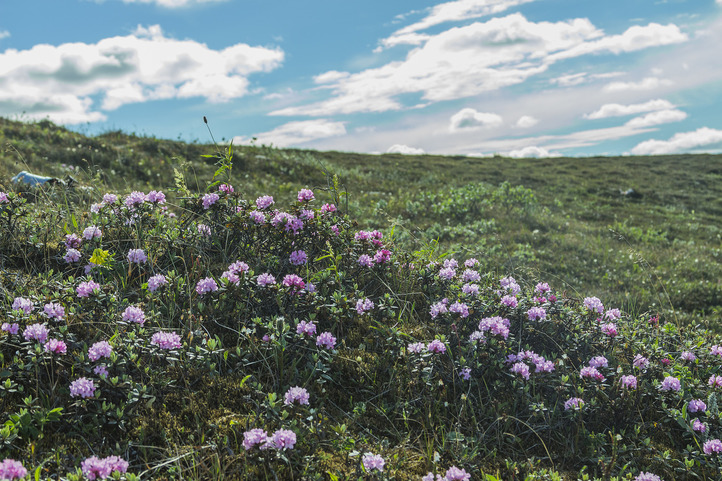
(524, 78)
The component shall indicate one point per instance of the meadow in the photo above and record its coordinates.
(188, 311)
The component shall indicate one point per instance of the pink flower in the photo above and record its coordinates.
(642, 476)
(670, 384)
(295, 394)
(456, 474)
(696, 405)
(436, 346)
(283, 439)
(592, 372)
(573, 403)
(137, 256)
(101, 370)
(99, 350)
(459, 308)
(265, 280)
(22, 304)
(156, 197)
(206, 285)
(92, 232)
(364, 305)
(373, 462)
(257, 217)
(610, 329)
(326, 208)
(82, 387)
(10, 328)
(228, 189)
(307, 328)
(326, 340)
(470, 275)
(209, 200)
(688, 356)
(9, 468)
(599, 361)
(416, 347)
(594, 304)
(715, 381)
(640, 362)
(54, 310)
(264, 202)
(470, 289)
(134, 199)
(536, 314)
(716, 350)
(298, 258)
(305, 195)
(72, 255)
(293, 281)
(712, 446)
(157, 281)
(471, 262)
(699, 426)
(134, 314)
(509, 301)
(37, 332)
(447, 273)
(96, 468)
(382, 256)
(365, 260)
(166, 340)
(629, 381)
(255, 437)
(55, 346)
(522, 369)
(438, 308)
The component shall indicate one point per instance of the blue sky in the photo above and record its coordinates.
(523, 78)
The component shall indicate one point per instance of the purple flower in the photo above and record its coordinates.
(255, 437)
(716, 350)
(542, 288)
(206, 285)
(610, 329)
(629, 381)
(22, 304)
(712, 446)
(613, 314)
(72, 241)
(470, 275)
(298, 258)
(670, 384)
(307, 328)
(521, 369)
(101, 370)
(416, 347)
(536, 314)
(438, 308)
(364, 305)
(326, 340)
(3, 198)
(592, 372)
(573, 403)
(137, 256)
(472, 262)
(209, 200)
(156, 282)
(373, 461)
(436, 346)
(265, 280)
(382, 256)
(295, 394)
(465, 373)
(92, 232)
(204, 230)
(715, 381)
(99, 349)
(599, 361)
(594, 304)
(82, 387)
(640, 362)
(456, 474)
(264, 202)
(166, 340)
(228, 189)
(509, 301)
(54, 310)
(283, 439)
(459, 308)
(305, 195)
(687, 356)
(72, 255)
(9, 468)
(134, 314)
(696, 405)
(326, 208)
(293, 281)
(37, 332)
(110, 199)
(447, 273)
(307, 214)
(55, 346)
(699, 426)
(156, 197)
(11, 328)
(96, 468)
(134, 199)
(642, 476)
(510, 284)
(470, 289)
(365, 260)
(497, 326)
(257, 217)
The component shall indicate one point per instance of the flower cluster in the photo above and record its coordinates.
(295, 394)
(9, 468)
(82, 387)
(373, 462)
(101, 468)
(134, 314)
(166, 340)
(281, 439)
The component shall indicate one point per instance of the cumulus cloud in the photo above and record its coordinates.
(4, 34)
(466, 61)
(657, 118)
(619, 110)
(531, 151)
(63, 82)
(647, 83)
(526, 121)
(448, 12)
(703, 139)
(330, 76)
(470, 119)
(404, 149)
(297, 133)
(175, 3)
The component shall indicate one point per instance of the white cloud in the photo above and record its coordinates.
(296, 133)
(330, 76)
(174, 3)
(62, 82)
(657, 118)
(526, 121)
(4, 34)
(404, 149)
(448, 12)
(618, 110)
(470, 119)
(648, 83)
(531, 151)
(571, 80)
(694, 141)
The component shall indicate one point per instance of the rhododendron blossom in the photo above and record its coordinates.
(166, 340)
(373, 462)
(295, 394)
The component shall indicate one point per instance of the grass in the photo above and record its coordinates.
(393, 384)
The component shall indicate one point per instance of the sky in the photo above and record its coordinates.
(518, 78)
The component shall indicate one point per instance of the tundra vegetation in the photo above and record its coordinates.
(184, 311)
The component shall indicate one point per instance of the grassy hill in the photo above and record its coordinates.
(180, 311)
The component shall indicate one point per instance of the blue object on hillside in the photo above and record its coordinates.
(32, 179)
